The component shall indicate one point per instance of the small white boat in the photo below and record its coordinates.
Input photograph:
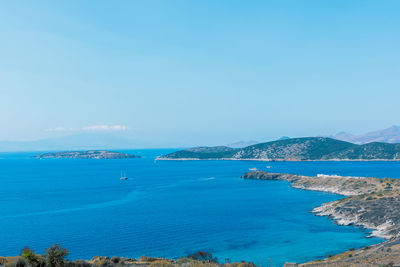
(123, 176)
(252, 169)
(269, 167)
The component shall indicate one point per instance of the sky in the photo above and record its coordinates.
(187, 73)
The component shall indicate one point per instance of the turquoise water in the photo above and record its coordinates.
(172, 208)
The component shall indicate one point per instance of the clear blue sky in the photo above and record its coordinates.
(199, 72)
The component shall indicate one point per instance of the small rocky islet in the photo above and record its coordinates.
(372, 203)
(89, 154)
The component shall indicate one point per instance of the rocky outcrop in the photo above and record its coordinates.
(372, 203)
(261, 175)
(342, 185)
(386, 254)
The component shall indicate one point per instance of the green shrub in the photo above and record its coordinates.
(203, 256)
(30, 257)
(20, 263)
(56, 256)
(115, 259)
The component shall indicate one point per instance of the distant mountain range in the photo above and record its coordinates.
(241, 144)
(99, 141)
(389, 135)
(86, 141)
(307, 148)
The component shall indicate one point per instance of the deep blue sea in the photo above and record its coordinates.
(172, 208)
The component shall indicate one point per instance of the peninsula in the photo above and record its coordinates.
(294, 149)
(90, 154)
(372, 203)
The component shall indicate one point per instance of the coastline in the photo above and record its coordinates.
(330, 209)
(369, 203)
(280, 160)
(380, 231)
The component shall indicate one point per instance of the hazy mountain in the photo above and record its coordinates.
(84, 141)
(389, 135)
(241, 144)
(283, 138)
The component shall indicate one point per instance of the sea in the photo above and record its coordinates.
(172, 208)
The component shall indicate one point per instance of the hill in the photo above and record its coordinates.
(215, 152)
(241, 144)
(389, 135)
(82, 141)
(307, 148)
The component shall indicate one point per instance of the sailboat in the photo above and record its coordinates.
(123, 176)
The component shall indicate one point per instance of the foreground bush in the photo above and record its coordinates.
(56, 256)
(31, 258)
(203, 256)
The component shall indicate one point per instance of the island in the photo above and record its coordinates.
(372, 203)
(294, 149)
(90, 154)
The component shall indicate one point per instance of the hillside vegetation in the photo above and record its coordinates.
(57, 256)
(307, 148)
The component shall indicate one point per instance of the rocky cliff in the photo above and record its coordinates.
(372, 203)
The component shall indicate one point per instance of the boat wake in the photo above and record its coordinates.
(206, 179)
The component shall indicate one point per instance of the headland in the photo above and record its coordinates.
(372, 203)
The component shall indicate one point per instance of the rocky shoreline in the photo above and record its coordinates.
(277, 160)
(372, 203)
